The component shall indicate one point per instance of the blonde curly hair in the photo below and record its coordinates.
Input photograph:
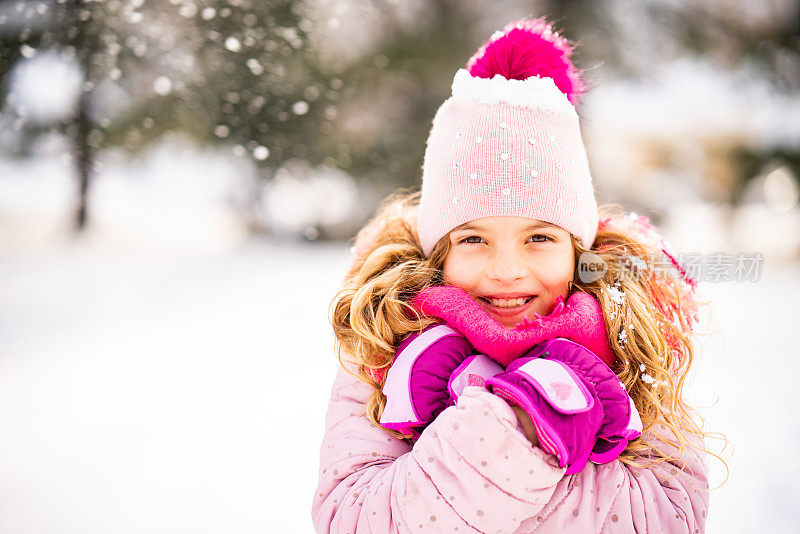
(648, 314)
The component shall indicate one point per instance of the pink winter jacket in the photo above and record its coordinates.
(472, 470)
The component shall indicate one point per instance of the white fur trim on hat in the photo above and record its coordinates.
(534, 92)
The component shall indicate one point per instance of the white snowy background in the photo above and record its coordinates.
(166, 373)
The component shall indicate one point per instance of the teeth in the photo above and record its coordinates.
(512, 303)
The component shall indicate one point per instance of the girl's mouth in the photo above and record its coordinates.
(507, 308)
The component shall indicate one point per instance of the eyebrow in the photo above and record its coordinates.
(534, 226)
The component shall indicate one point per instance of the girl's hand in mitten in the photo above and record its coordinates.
(428, 374)
(572, 398)
(525, 425)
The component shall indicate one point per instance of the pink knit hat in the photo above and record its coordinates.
(507, 142)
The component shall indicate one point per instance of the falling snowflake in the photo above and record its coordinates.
(162, 86)
(255, 67)
(300, 108)
(27, 51)
(233, 44)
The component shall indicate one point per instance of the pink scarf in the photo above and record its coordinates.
(580, 320)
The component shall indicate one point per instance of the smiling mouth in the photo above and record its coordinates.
(508, 303)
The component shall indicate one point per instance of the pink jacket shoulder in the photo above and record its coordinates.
(472, 470)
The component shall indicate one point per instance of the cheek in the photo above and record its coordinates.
(456, 271)
(450, 270)
(559, 271)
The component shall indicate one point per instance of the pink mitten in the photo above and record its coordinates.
(572, 398)
(429, 372)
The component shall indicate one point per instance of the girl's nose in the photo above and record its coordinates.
(506, 268)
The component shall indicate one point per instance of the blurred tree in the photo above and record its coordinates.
(762, 39)
(230, 72)
(25, 26)
(219, 71)
(81, 37)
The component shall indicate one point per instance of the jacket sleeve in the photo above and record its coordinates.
(615, 497)
(472, 470)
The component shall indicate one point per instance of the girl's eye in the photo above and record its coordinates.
(543, 239)
(465, 240)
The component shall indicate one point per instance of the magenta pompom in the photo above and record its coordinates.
(526, 48)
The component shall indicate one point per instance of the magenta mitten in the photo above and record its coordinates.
(429, 372)
(572, 398)
(609, 446)
(474, 371)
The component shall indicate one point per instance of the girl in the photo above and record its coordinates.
(571, 323)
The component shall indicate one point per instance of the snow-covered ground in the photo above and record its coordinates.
(745, 385)
(163, 392)
(185, 391)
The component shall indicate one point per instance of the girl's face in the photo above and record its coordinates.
(495, 258)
